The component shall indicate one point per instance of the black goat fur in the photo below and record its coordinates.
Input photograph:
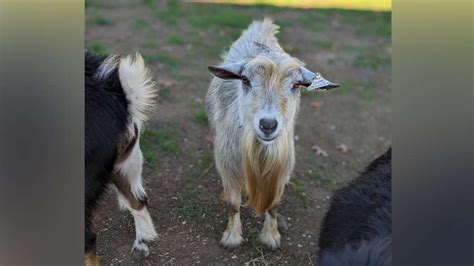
(357, 228)
(106, 120)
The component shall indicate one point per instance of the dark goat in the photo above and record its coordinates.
(118, 95)
(357, 229)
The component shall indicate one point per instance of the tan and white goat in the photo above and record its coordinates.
(252, 104)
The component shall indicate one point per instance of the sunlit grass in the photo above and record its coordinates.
(98, 48)
(374, 5)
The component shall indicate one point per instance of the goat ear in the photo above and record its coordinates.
(308, 76)
(227, 71)
(315, 81)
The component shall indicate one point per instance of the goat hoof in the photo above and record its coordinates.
(271, 238)
(140, 250)
(231, 239)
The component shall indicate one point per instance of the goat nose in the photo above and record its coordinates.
(268, 126)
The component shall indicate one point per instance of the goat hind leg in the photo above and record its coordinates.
(132, 196)
(90, 258)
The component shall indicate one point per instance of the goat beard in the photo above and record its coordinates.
(265, 170)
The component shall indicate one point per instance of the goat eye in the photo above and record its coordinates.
(245, 81)
(296, 85)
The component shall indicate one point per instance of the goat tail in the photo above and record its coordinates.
(138, 85)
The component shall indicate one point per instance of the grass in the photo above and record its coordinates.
(284, 24)
(223, 17)
(366, 93)
(352, 86)
(207, 157)
(346, 87)
(314, 20)
(91, 3)
(200, 161)
(200, 117)
(194, 205)
(318, 175)
(297, 188)
(149, 155)
(368, 22)
(140, 24)
(164, 58)
(325, 44)
(165, 140)
(101, 21)
(150, 45)
(164, 93)
(175, 40)
(171, 13)
(371, 59)
(98, 47)
(149, 3)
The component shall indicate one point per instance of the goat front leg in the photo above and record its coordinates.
(232, 236)
(270, 235)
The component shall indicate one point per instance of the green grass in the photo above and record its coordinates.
(194, 205)
(165, 140)
(149, 3)
(91, 3)
(170, 15)
(164, 93)
(165, 58)
(175, 39)
(200, 161)
(149, 155)
(200, 117)
(318, 174)
(306, 93)
(101, 21)
(371, 59)
(98, 47)
(314, 20)
(366, 93)
(150, 45)
(346, 87)
(220, 18)
(352, 86)
(296, 187)
(368, 22)
(207, 157)
(325, 44)
(140, 24)
(284, 24)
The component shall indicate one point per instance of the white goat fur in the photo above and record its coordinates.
(244, 163)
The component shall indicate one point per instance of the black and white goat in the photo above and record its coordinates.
(119, 94)
(357, 229)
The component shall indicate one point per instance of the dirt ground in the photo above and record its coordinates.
(179, 40)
